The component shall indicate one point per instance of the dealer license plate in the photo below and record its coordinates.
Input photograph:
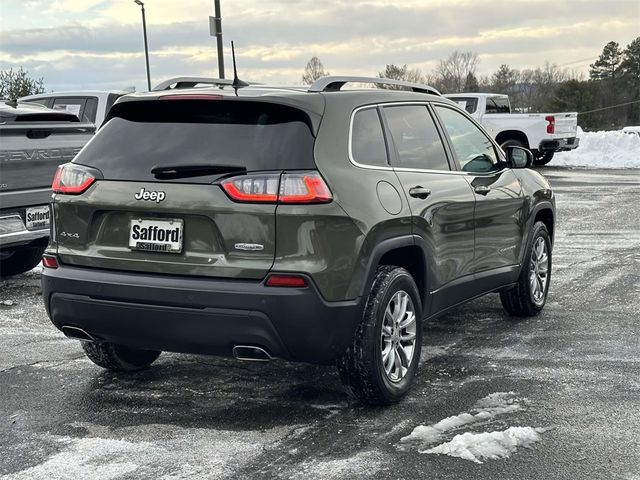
(153, 235)
(38, 217)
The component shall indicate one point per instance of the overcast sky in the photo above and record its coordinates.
(98, 43)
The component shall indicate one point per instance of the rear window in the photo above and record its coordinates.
(146, 134)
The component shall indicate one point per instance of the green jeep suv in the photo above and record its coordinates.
(314, 224)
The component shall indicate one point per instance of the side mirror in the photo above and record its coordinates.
(519, 157)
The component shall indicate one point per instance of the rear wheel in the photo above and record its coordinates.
(118, 357)
(380, 364)
(20, 260)
(543, 158)
(528, 296)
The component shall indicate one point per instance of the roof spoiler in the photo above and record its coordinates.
(190, 82)
(335, 83)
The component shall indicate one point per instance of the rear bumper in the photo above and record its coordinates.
(198, 315)
(559, 145)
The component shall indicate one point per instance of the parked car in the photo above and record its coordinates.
(34, 140)
(318, 225)
(543, 133)
(88, 105)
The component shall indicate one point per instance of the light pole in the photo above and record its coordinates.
(146, 48)
(215, 30)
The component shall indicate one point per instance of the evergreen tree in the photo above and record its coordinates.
(504, 79)
(17, 83)
(471, 83)
(606, 66)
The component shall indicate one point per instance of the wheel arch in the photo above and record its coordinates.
(544, 212)
(407, 252)
(518, 135)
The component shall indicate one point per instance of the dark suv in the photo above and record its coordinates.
(318, 225)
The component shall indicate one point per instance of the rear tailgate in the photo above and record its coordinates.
(30, 152)
(117, 223)
(566, 124)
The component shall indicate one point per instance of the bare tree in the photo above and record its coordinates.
(404, 73)
(452, 72)
(16, 84)
(313, 71)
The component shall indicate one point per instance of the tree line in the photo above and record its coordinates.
(608, 99)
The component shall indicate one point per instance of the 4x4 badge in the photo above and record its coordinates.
(153, 196)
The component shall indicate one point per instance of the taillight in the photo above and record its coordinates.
(551, 125)
(253, 188)
(291, 188)
(285, 280)
(71, 179)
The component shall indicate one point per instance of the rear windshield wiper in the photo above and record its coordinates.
(193, 170)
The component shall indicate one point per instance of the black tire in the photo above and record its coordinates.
(21, 260)
(519, 300)
(118, 357)
(543, 158)
(361, 367)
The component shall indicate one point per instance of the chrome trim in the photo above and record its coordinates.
(23, 236)
(389, 168)
(324, 84)
(237, 350)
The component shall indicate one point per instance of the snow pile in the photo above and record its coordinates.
(491, 445)
(498, 403)
(602, 150)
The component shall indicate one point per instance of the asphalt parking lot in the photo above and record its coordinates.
(573, 374)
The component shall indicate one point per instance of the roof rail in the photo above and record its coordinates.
(189, 82)
(335, 83)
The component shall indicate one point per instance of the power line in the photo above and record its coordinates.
(589, 59)
(608, 108)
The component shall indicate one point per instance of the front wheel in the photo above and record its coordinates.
(118, 357)
(528, 296)
(380, 364)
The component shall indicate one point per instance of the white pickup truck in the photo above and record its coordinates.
(542, 133)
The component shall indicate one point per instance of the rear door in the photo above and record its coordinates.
(500, 217)
(160, 164)
(441, 200)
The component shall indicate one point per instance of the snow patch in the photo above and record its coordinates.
(366, 464)
(492, 445)
(613, 149)
(494, 404)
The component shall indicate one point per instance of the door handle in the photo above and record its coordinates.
(482, 189)
(419, 192)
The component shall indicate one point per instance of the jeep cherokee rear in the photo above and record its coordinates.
(318, 226)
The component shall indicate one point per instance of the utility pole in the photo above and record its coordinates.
(215, 30)
(146, 47)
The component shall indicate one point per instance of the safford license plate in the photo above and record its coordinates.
(152, 235)
(37, 217)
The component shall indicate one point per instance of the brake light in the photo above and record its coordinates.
(49, 261)
(291, 281)
(291, 188)
(551, 125)
(253, 188)
(71, 179)
(191, 97)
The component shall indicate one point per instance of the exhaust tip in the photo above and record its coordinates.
(251, 353)
(77, 333)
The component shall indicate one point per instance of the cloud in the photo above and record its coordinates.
(80, 41)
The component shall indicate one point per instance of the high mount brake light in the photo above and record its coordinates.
(551, 123)
(290, 188)
(191, 97)
(71, 179)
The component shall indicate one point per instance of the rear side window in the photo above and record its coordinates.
(416, 139)
(498, 104)
(367, 141)
(146, 134)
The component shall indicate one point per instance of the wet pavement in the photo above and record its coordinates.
(574, 370)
